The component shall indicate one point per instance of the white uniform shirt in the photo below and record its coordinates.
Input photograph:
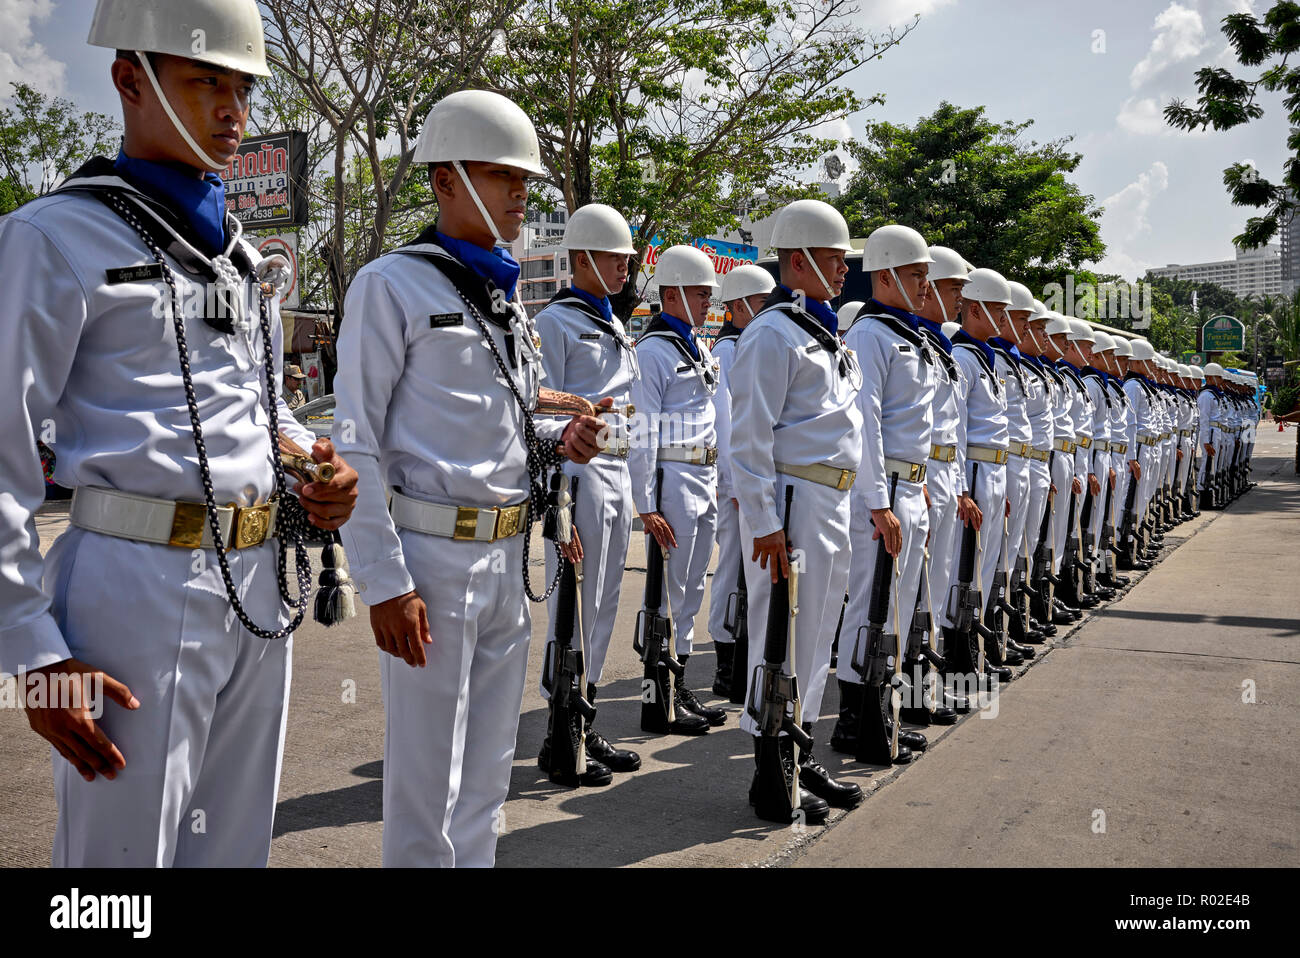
(422, 405)
(724, 352)
(983, 403)
(898, 376)
(792, 404)
(88, 361)
(1019, 428)
(1038, 405)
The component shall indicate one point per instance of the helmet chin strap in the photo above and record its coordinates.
(907, 299)
(988, 315)
(599, 277)
(943, 310)
(818, 270)
(1034, 338)
(1011, 324)
(203, 158)
(473, 194)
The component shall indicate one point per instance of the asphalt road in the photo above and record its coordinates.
(1136, 713)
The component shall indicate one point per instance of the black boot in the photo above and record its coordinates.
(596, 774)
(814, 810)
(814, 777)
(914, 709)
(599, 748)
(688, 700)
(915, 741)
(844, 737)
(726, 654)
(1024, 651)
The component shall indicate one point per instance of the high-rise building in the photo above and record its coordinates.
(1291, 253)
(1254, 272)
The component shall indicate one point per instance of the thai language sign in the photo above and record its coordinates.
(265, 182)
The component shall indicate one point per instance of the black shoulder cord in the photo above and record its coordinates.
(294, 526)
(539, 458)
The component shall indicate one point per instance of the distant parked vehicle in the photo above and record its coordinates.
(317, 415)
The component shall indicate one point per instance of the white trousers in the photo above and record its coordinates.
(944, 526)
(914, 522)
(203, 750)
(724, 576)
(1018, 497)
(687, 503)
(989, 490)
(449, 733)
(1040, 483)
(819, 530)
(1063, 476)
(603, 517)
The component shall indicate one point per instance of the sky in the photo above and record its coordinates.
(1099, 72)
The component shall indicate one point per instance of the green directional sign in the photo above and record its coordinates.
(1193, 359)
(1223, 334)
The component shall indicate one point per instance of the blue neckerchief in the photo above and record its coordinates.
(819, 310)
(1036, 361)
(1007, 345)
(495, 264)
(601, 304)
(201, 201)
(911, 319)
(965, 337)
(1105, 377)
(937, 330)
(1062, 362)
(682, 329)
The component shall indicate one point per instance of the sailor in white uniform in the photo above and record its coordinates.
(796, 425)
(1069, 471)
(439, 376)
(674, 437)
(888, 506)
(744, 290)
(585, 351)
(1092, 345)
(142, 342)
(1145, 434)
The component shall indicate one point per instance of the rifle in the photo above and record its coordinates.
(776, 790)
(966, 605)
(876, 744)
(654, 636)
(736, 622)
(996, 647)
(1108, 550)
(564, 677)
(1043, 558)
(1088, 549)
(921, 639)
(1128, 545)
(1070, 571)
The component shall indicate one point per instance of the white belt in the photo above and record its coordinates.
(184, 525)
(617, 448)
(1083, 442)
(464, 523)
(1101, 445)
(986, 454)
(907, 471)
(1148, 440)
(1119, 447)
(822, 474)
(692, 455)
(1185, 433)
(943, 453)
(1020, 449)
(1063, 445)
(1042, 455)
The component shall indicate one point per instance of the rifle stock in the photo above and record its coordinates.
(654, 639)
(736, 622)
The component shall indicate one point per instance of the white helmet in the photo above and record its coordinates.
(806, 225)
(1040, 313)
(986, 286)
(1195, 372)
(1122, 347)
(945, 263)
(684, 266)
(1021, 297)
(894, 245)
(1214, 369)
(483, 127)
(1080, 331)
(745, 281)
(1102, 342)
(951, 329)
(1183, 371)
(227, 33)
(810, 224)
(847, 313)
(889, 247)
(1142, 350)
(1058, 325)
(598, 228)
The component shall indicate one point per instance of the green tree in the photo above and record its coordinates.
(1227, 101)
(684, 114)
(980, 187)
(42, 140)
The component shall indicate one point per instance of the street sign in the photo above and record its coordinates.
(1223, 334)
(266, 182)
(1273, 362)
(1193, 359)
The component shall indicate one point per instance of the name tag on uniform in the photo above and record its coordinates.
(135, 274)
(589, 336)
(443, 320)
(903, 347)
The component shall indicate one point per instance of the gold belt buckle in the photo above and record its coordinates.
(250, 526)
(508, 521)
(187, 525)
(467, 524)
(1000, 457)
(711, 456)
(846, 480)
(914, 472)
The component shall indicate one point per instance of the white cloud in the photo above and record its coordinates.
(898, 13)
(22, 59)
(1180, 35)
(1126, 220)
(1144, 116)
